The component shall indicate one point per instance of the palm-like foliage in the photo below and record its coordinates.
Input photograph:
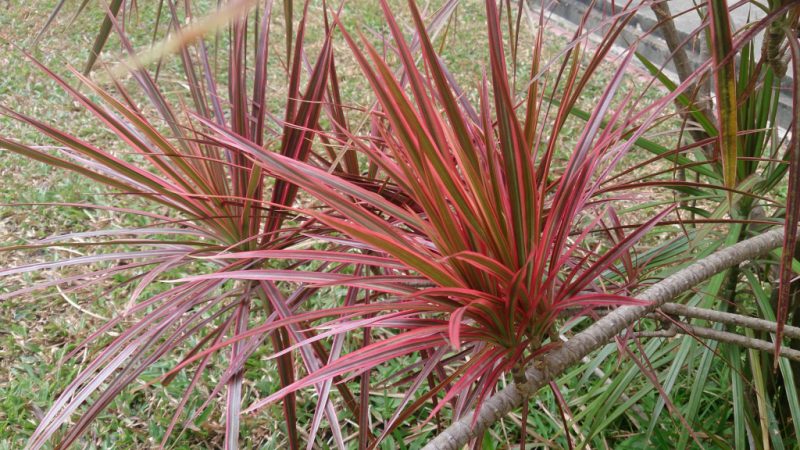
(754, 155)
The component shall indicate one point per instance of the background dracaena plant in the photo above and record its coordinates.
(215, 199)
(752, 154)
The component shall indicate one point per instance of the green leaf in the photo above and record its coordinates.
(725, 84)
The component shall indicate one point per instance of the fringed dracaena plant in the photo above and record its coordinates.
(499, 241)
(215, 200)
